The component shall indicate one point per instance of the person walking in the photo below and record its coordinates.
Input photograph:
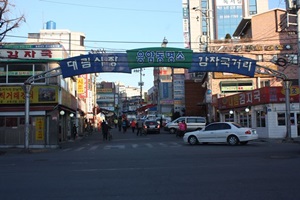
(182, 129)
(124, 125)
(139, 126)
(105, 128)
(120, 124)
(133, 125)
(116, 122)
(74, 131)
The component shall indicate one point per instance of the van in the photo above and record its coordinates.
(193, 123)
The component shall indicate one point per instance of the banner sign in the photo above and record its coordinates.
(160, 57)
(157, 57)
(216, 62)
(94, 63)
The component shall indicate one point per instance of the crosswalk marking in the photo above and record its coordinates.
(123, 146)
(114, 147)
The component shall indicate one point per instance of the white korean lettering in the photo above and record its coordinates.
(113, 60)
(242, 98)
(72, 64)
(203, 61)
(236, 62)
(225, 61)
(256, 94)
(249, 97)
(214, 60)
(247, 64)
(85, 63)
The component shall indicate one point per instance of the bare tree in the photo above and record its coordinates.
(6, 23)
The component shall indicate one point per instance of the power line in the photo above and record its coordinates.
(111, 8)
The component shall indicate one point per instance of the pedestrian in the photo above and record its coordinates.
(105, 128)
(139, 126)
(116, 122)
(124, 125)
(120, 124)
(182, 129)
(74, 131)
(133, 125)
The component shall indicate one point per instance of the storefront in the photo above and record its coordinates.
(263, 109)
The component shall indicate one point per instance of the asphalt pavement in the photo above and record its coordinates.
(116, 135)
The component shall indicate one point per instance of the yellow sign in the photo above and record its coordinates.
(38, 94)
(39, 128)
(80, 85)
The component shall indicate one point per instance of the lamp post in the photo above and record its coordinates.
(163, 45)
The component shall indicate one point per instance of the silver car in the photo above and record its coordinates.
(221, 132)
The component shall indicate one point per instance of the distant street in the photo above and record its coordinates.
(152, 167)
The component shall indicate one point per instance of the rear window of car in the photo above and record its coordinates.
(237, 125)
(150, 122)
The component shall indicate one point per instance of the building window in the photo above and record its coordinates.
(281, 119)
(259, 58)
(260, 118)
(265, 83)
(19, 72)
(238, 86)
(82, 40)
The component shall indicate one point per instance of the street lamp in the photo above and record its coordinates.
(163, 45)
(247, 112)
(230, 113)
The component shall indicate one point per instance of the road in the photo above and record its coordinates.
(156, 166)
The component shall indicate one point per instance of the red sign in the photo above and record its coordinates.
(263, 95)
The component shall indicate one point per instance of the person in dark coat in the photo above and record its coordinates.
(105, 128)
(74, 131)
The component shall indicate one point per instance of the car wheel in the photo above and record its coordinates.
(172, 130)
(232, 140)
(244, 143)
(192, 140)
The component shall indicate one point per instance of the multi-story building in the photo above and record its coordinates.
(206, 22)
(55, 103)
(73, 43)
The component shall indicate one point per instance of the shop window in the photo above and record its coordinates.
(238, 86)
(11, 121)
(261, 118)
(281, 119)
(2, 121)
(2, 73)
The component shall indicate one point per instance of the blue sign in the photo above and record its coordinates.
(94, 63)
(217, 62)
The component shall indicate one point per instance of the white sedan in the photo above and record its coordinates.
(221, 132)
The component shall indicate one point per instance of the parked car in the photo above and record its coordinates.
(221, 132)
(151, 126)
(193, 123)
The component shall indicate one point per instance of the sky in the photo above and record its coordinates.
(111, 25)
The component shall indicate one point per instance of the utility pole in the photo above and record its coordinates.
(206, 15)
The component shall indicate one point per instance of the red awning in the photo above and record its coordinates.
(145, 107)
